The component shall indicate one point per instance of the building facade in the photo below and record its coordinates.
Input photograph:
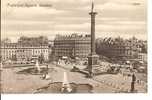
(24, 51)
(13, 51)
(8, 51)
(118, 48)
(72, 46)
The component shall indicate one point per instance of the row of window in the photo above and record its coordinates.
(12, 51)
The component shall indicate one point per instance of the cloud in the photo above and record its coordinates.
(72, 15)
(117, 6)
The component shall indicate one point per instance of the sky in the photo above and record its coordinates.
(124, 18)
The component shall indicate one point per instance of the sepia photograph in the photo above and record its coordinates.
(73, 46)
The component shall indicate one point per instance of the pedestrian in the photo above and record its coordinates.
(47, 67)
(133, 82)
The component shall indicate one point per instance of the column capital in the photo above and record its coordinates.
(93, 13)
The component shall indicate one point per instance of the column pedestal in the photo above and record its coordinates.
(92, 64)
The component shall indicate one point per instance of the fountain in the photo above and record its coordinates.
(37, 66)
(66, 88)
(37, 70)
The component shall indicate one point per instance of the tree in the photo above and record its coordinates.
(42, 40)
(6, 40)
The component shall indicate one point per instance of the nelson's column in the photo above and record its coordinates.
(93, 57)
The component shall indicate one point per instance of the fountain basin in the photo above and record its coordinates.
(56, 87)
(34, 71)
